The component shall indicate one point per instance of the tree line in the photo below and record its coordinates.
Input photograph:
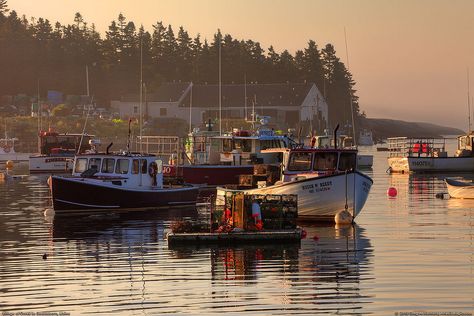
(36, 54)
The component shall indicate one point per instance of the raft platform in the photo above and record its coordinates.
(290, 235)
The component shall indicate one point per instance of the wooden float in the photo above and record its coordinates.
(288, 235)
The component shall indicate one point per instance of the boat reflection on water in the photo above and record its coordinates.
(131, 227)
(323, 272)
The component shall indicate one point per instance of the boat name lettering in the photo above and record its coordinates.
(48, 160)
(323, 186)
(326, 184)
(422, 163)
(308, 186)
(166, 170)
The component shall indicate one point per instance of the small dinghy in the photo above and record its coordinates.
(460, 189)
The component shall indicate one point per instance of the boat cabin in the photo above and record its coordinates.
(55, 144)
(310, 161)
(465, 145)
(240, 147)
(327, 141)
(127, 170)
(7, 145)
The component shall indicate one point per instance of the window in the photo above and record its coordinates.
(227, 145)
(108, 165)
(300, 161)
(163, 111)
(347, 161)
(94, 163)
(325, 161)
(243, 144)
(135, 166)
(135, 109)
(81, 165)
(144, 164)
(122, 166)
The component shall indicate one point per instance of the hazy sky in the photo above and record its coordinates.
(408, 57)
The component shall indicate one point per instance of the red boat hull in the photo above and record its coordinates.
(211, 175)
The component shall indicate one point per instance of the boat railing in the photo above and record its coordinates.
(416, 147)
(168, 148)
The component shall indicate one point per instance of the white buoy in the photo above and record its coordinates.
(49, 212)
(9, 165)
(343, 218)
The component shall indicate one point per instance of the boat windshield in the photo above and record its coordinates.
(122, 166)
(347, 161)
(108, 165)
(299, 161)
(94, 163)
(273, 143)
(324, 161)
(81, 165)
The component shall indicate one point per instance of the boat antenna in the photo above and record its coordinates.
(468, 102)
(190, 109)
(84, 128)
(39, 116)
(245, 95)
(354, 140)
(129, 135)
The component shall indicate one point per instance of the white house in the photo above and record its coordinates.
(289, 105)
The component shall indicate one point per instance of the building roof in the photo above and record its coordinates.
(167, 92)
(233, 95)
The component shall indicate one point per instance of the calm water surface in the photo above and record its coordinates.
(406, 254)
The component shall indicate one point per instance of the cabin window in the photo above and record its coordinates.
(135, 166)
(347, 161)
(108, 165)
(325, 161)
(300, 161)
(81, 165)
(94, 163)
(227, 145)
(122, 166)
(243, 144)
(144, 165)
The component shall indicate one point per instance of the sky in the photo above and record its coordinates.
(409, 58)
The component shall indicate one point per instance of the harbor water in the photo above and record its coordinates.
(409, 253)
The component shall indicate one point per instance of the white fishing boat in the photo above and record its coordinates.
(460, 189)
(430, 155)
(326, 182)
(57, 151)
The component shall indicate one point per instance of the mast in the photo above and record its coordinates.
(39, 118)
(468, 103)
(141, 93)
(220, 90)
(190, 109)
(245, 95)
(354, 138)
(87, 79)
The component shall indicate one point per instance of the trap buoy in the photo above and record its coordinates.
(49, 212)
(9, 165)
(392, 192)
(343, 218)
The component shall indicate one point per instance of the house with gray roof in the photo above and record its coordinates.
(288, 104)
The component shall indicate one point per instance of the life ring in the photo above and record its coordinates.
(153, 171)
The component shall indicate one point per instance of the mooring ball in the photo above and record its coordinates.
(392, 192)
(9, 165)
(343, 218)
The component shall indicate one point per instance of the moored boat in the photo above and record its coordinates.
(56, 152)
(430, 155)
(326, 182)
(112, 182)
(7, 151)
(460, 189)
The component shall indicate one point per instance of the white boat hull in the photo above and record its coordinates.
(460, 189)
(431, 164)
(51, 164)
(15, 157)
(320, 198)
